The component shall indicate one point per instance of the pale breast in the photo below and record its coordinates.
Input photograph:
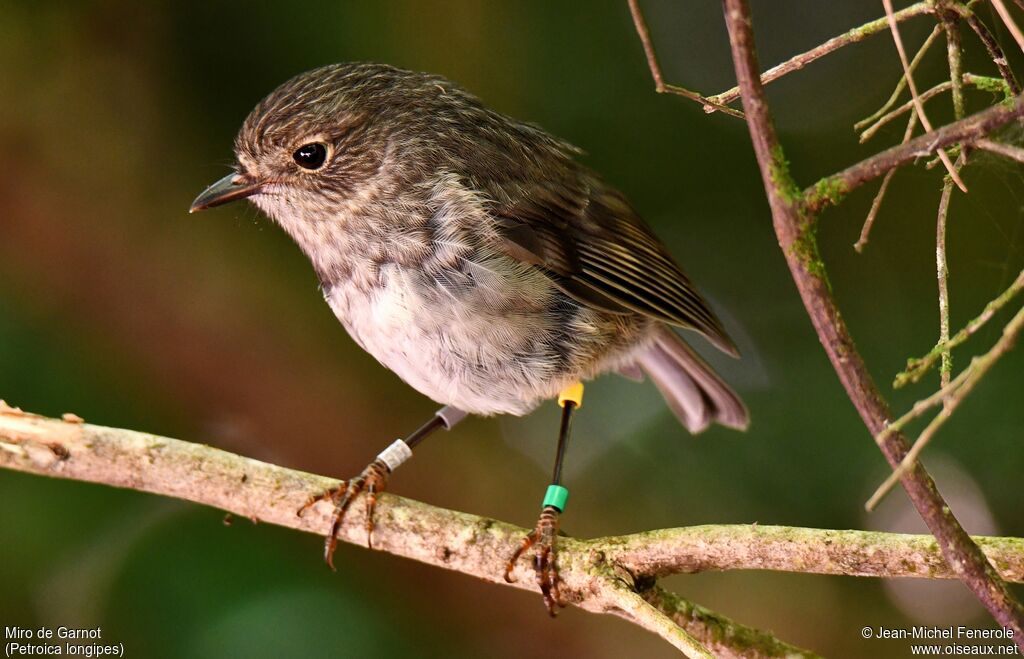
(471, 337)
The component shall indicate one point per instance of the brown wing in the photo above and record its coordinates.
(598, 250)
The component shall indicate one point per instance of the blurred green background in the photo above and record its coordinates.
(117, 305)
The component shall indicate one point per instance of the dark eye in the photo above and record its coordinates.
(310, 156)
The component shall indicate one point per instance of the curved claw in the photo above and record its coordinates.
(544, 559)
(372, 480)
(528, 542)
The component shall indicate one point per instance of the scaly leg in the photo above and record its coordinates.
(543, 537)
(374, 479)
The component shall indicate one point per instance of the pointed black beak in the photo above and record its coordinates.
(229, 188)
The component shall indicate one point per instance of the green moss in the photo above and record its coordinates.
(781, 178)
(994, 86)
(805, 248)
(828, 191)
(989, 84)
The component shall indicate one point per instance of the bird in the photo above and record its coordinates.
(475, 256)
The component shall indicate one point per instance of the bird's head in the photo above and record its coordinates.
(318, 141)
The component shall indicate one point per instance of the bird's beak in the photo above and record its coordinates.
(231, 187)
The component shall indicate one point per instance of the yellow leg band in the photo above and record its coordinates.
(573, 393)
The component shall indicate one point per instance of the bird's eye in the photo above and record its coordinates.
(310, 156)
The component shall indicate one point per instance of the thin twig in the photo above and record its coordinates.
(951, 396)
(980, 82)
(873, 129)
(902, 83)
(869, 222)
(916, 368)
(918, 104)
(659, 82)
(851, 37)
(942, 276)
(1018, 36)
(1006, 150)
(955, 59)
(956, 79)
(794, 227)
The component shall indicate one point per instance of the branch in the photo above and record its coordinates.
(660, 85)
(876, 204)
(975, 127)
(1005, 150)
(853, 36)
(794, 227)
(602, 575)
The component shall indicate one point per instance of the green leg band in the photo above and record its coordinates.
(556, 497)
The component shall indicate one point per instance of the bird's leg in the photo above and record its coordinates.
(374, 479)
(542, 538)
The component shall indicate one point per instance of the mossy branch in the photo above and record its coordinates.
(793, 217)
(603, 575)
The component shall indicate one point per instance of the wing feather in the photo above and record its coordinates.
(598, 250)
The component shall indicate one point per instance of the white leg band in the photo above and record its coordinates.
(450, 415)
(395, 454)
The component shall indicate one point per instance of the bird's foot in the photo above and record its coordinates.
(372, 481)
(542, 540)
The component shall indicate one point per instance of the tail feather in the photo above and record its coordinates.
(694, 392)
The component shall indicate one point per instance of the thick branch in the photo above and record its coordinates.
(788, 549)
(594, 570)
(794, 229)
(975, 127)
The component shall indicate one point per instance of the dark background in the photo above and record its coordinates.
(117, 305)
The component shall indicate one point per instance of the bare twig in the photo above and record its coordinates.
(902, 83)
(951, 396)
(601, 575)
(869, 222)
(853, 36)
(1006, 150)
(954, 56)
(956, 79)
(942, 276)
(918, 103)
(652, 62)
(880, 122)
(1018, 36)
(981, 82)
(794, 229)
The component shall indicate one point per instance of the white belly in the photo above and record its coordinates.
(450, 348)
